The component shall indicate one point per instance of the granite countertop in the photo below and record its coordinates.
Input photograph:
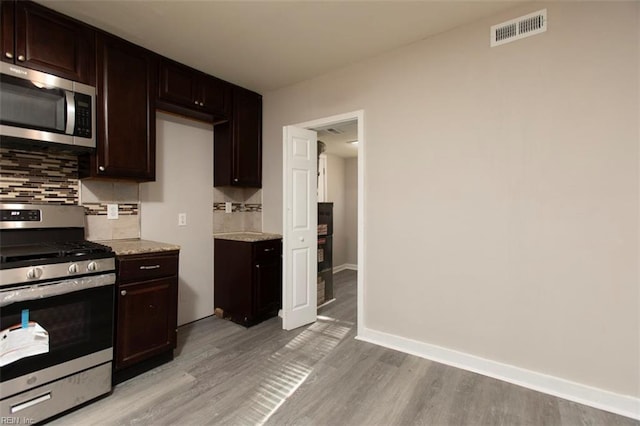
(137, 246)
(249, 237)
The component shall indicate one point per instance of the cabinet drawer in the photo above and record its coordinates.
(144, 267)
(267, 249)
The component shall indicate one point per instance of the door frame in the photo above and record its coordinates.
(335, 119)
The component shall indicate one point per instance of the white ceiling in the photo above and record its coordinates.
(265, 45)
(337, 138)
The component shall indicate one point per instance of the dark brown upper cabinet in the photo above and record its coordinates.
(41, 39)
(237, 144)
(126, 117)
(189, 92)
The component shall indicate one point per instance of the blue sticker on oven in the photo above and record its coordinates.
(25, 318)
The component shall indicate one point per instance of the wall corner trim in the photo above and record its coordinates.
(623, 405)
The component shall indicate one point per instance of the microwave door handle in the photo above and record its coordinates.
(71, 112)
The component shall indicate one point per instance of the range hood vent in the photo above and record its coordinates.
(519, 28)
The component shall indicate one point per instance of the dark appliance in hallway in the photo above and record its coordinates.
(325, 252)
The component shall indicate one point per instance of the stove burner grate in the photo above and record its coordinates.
(61, 250)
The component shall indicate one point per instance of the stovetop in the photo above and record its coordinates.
(35, 263)
(63, 249)
(47, 242)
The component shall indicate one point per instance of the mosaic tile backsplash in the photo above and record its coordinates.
(246, 210)
(100, 209)
(38, 178)
(238, 207)
(31, 177)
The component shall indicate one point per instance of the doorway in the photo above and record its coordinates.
(340, 132)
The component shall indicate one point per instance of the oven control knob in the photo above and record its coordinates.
(73, 268)
(92, 267)
(34, 273)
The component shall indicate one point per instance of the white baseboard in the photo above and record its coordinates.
(598, 398)
(326, 303)
(344, 266)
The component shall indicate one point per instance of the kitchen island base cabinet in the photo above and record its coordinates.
(146, 312)
(248, 280)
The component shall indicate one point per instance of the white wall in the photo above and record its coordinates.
(501, 190)
(335, 195)
(342, 191)
(351, 210)
(184, 184)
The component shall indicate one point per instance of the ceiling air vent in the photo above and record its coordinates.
(515, 29)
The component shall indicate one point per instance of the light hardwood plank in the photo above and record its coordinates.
(224, 374)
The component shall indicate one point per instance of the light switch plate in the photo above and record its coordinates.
(112, 211)
(228, 207)
(182, 219)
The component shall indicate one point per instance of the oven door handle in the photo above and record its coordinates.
(40, 291)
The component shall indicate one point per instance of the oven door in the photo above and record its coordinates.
(77, 315)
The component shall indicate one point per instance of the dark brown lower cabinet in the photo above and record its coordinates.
(146, 312)
(248, 280)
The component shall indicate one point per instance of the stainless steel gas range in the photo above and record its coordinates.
(56, 312)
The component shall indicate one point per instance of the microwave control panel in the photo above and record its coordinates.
(83, 115)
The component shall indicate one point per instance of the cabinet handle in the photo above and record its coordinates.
(149, 267)
(269, 249)
(201, 103)
(9, 55)
(196, 102)
(101, 168)
(21, 58)
(123, 292)
(258, 266)
(235, 180)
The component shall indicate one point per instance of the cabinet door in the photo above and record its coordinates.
(49, 42)
(267, 287)
(247, 138)
(192, 93)
(215, 96)
(147, 315)
(232, 277)
(178, 84)
(7, 9)
(125, 112)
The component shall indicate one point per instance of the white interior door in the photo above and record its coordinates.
(300, 239)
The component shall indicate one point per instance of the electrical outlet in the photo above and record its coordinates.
(228, 207)
(182, 219)
(112, 211)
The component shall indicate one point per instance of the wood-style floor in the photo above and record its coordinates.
(318, 375)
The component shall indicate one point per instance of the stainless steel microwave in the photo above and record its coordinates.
(42, 108)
